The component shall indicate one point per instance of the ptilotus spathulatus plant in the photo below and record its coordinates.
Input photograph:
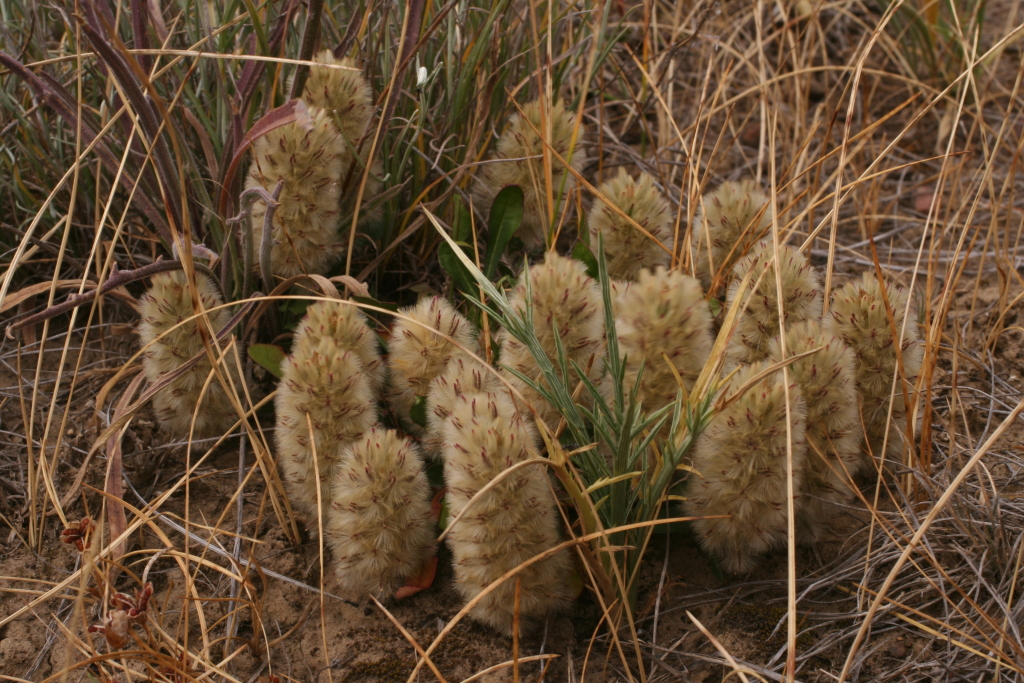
(626, 248)
(309, 157)
(326, 381)
(349, 327)
(828, 384)
(663, 318)
(379, 523)
(741, 459)
(725, 221)
(859, 318)
(519, 160)
(167, 302)
(418, 354)
(513, 522)
(565, 299)
(758, 323)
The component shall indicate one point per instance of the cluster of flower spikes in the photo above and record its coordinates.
(512, 523)
(168, 346)
(758, 322)
(828, 384)
(565, 302)
(662, 319)
(741, 497)
(418, 353)
(724, 227)
(327, 440)
(312, 155)
(858, 316)
(627, 249)
(519, 160)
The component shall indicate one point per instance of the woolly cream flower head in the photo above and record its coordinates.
(663, 318)
(519, 160)
(418, 353)
(626, 248)
(343, 92)
(349, 328)
(858, 316)
(828, 384)
(741, 457)
(308, 157)
(379, 524)
(726, 222)
(566, 299)
(167, 302)
(327, 382)
(463, 375)
(758, 323)
(513, 522)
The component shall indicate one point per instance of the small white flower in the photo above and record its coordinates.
(421, 76)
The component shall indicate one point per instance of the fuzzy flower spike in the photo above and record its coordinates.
(627, 249)
(379, 523)
(859, 318)
(726, 223)
(829, 387)
(325, 380)
(741, 458)
(663, 316)
(349, 327)
(513, 522)
(758, 323)
(167, 302)
(519, 160)
(418, 353)
(564, 299)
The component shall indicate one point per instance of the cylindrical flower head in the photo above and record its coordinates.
(462, 375)
(829, 387)
(348, 326)
(166, 303)
(741, 457)
(725, 221)
(626, 248)
(326, 382)
(343, 92)
(519, 160)
(663, 315)
(513, 522)
(758, 324)
(565, 299)
(858, 317)
(379, 524)
(309, 159)
(417, 354)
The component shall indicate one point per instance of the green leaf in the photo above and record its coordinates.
(715, 305)
(452, 265)
(418, 412)
(268, 356)
(581, 252)
(506, 216)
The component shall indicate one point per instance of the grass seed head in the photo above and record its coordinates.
(167, 302)
(726, 222)
(379, 524)
(741, 457)
(626, 248)
(417, 354)
(828, 384)
(327, 382)
(663, 314)
(758, 323)
(511, 523)
(858, 317)
(565, 299)
(519, 160)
